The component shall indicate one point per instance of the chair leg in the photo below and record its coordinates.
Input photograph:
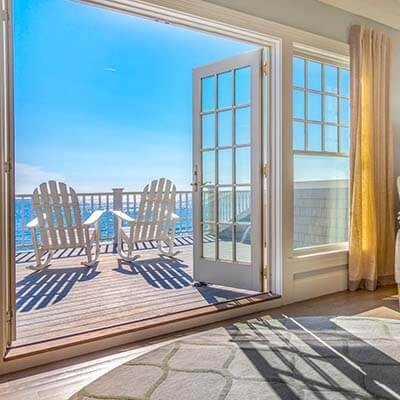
(171, 244)
(125, 256)
(40, 264)
(170, 252)
(91, 259)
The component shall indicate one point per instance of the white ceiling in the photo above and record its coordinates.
(384, 11)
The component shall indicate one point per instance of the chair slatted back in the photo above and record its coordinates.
(156, 206)
(57, 209)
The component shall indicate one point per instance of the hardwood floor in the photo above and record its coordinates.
(68, 298)
(58, 381)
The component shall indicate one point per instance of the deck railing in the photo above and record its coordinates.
(115, 200)
(320, 211)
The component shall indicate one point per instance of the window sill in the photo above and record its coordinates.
(320, 250)
(307, 262)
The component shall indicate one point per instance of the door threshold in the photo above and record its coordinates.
(28, 355)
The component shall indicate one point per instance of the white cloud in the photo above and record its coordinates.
(28, 177)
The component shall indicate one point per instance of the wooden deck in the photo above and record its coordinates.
(68, 298)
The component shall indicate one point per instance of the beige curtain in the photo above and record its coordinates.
(372, 223)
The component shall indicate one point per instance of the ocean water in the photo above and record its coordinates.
(24, 213)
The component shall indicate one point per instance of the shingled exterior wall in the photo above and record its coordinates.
(321, 212)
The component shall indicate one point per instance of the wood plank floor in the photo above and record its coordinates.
(58, 381)
(68, 298)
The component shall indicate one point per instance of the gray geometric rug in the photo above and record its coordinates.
(290, 358)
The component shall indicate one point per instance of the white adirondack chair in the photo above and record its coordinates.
(155, 220)
(59, 224)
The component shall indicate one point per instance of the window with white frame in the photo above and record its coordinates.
(321, 145)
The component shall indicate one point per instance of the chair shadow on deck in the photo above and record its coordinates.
(161, 272)
(49, 286)
(167, 273)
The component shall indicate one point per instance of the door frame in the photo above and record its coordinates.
(192, 14)
(7, 181)
(236, 270)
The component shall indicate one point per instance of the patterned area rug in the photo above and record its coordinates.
(290, 358)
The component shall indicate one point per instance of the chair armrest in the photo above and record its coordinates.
(96, 215)
(33, 224)
(175, 217)
(124, 217)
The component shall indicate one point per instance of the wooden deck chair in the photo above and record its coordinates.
(155, 220)
(59, 224)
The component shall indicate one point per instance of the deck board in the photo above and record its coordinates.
(68, 298)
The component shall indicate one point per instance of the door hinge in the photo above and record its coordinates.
(265, 68)
(7, 167)
(265, 170)
(10, 315)
(5, 16)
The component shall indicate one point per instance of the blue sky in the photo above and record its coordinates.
(104, 99)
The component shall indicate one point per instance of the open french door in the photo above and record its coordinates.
(227, 187)
(7, 239)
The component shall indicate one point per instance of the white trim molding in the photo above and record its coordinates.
(203, 15)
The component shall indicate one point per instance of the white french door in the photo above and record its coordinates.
(227, 187)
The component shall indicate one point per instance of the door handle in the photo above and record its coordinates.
(195, 183)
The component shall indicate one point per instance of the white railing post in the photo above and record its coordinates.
(117, 206)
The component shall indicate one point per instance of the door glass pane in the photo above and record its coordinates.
(225, 128)
(225, 89)
(243, 204)
(208, 93)
(208, 168)
(243, 243)
(314, 106)
(298, 135)
(243, 165)
(298, 72)
(314, 137)
(298, 104)
(208, 204)
(225, 204)
(314, 75)
(242, 85)
(225, 245)
(242, 126)
(208, 130)
(345, 111)
(331, 138)
(331, 109)
(208, 240)
(225, 167)
(330, 79)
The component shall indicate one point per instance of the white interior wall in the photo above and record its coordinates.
(307, 277)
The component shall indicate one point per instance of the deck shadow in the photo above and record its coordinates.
(161, 272)
(166, 273)
(49, 286)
